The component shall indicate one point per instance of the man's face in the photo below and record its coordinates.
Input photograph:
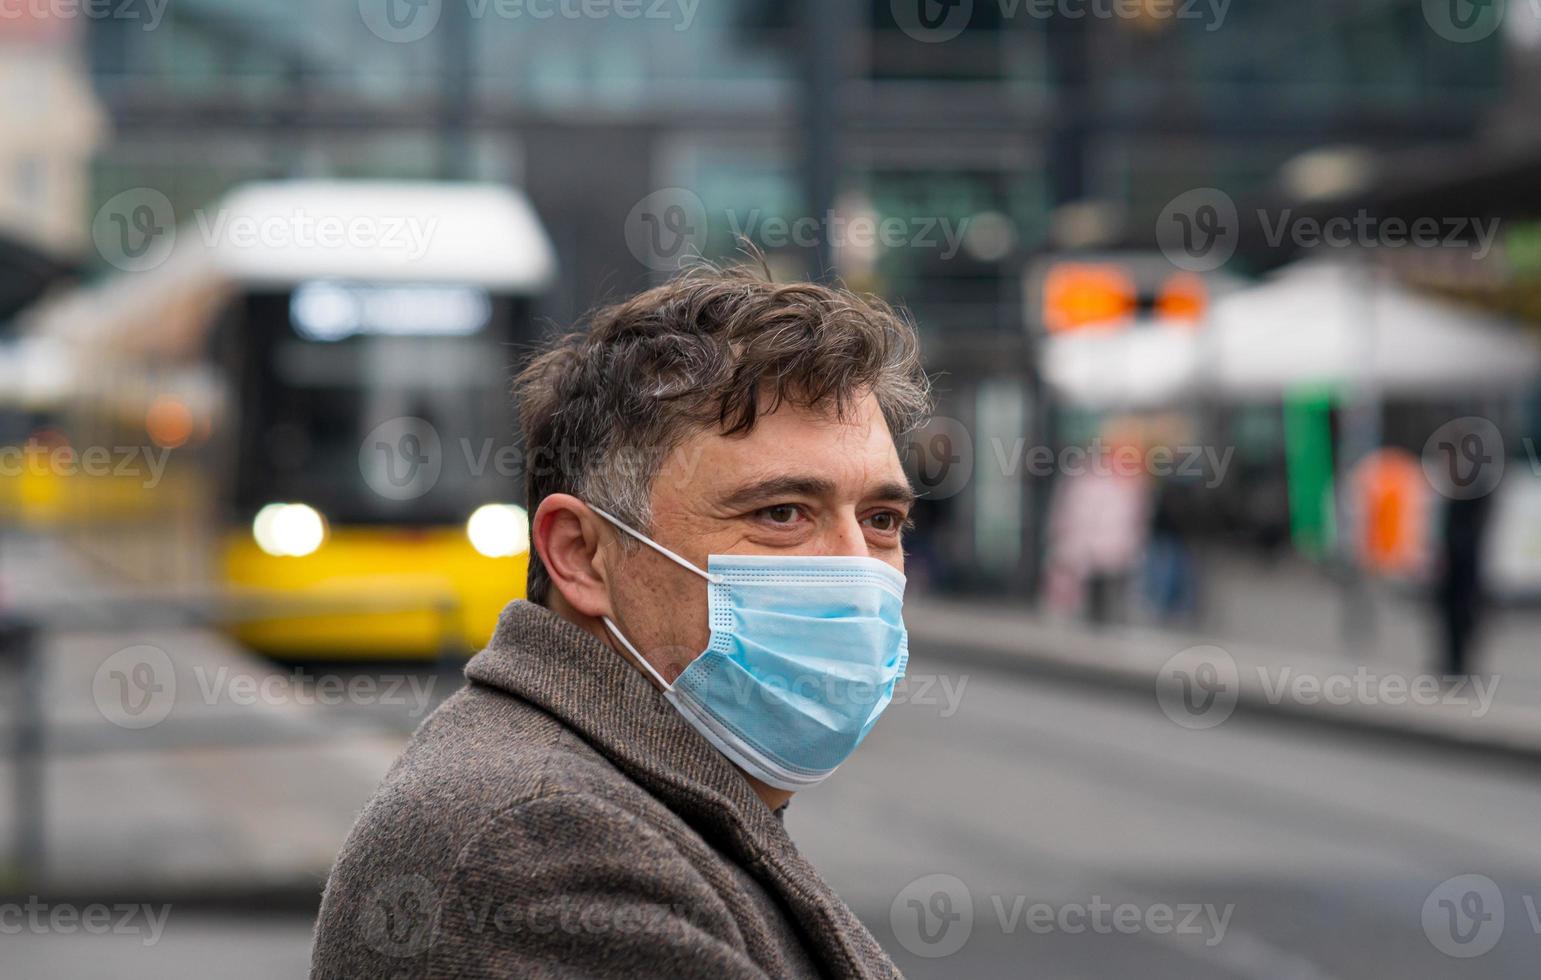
(799, 483)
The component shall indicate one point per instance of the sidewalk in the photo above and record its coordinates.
(176, 765)
(1274, 640)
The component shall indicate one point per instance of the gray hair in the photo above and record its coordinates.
(601, 408)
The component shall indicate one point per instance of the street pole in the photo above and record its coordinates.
(19, 649)
(457, 56)
(827, 43)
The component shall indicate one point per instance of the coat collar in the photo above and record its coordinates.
(572, 675)
(553, 663)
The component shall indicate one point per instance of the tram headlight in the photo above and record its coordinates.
(499, 530)
(288, 530)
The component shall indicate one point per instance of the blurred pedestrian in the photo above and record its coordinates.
(1098, 526)
(1170, 575)
(1459, 592)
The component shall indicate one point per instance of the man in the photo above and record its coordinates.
(713, 622)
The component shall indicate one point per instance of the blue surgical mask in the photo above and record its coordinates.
(803, 657)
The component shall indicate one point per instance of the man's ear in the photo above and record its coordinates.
(567, 536)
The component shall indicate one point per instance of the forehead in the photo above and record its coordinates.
(855, 453)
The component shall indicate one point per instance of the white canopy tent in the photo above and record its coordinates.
(1140, 366)
(1334, 325)
(1315, 324)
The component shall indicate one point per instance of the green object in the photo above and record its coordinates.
(1308, 467)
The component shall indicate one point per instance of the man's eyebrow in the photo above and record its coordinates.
(894, 493)
(778, 487)
(781, 487)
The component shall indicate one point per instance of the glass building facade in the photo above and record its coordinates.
(992, 128)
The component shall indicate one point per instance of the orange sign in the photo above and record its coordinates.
(1079, 295)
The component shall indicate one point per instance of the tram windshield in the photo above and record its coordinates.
(377, 404)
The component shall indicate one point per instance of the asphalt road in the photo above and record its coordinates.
(998, 825)
(1024, 828)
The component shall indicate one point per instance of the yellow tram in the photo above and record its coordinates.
(323, 368)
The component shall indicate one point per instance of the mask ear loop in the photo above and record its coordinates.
(615, 630)
(709, 576)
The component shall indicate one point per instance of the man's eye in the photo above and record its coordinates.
(780, 514)
(886, 521)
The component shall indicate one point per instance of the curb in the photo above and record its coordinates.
(1100, 666)
(279, 898)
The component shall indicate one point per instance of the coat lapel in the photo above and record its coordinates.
(542, 658)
